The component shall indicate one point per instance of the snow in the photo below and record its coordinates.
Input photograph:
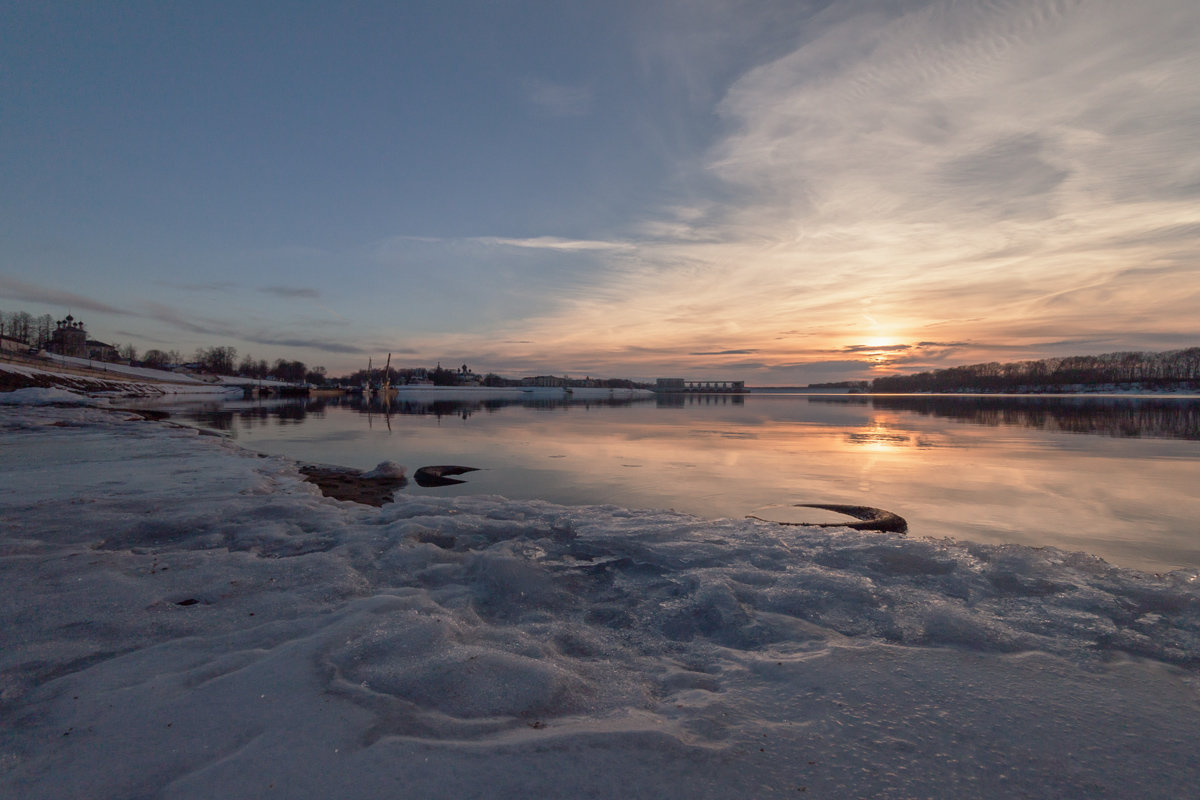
(45, 397)
(122, 369)
(117, 383)
(211, 383)
(185, 619)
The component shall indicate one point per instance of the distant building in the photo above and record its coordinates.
(679, 385)
(551, 381)
(69, 338)
(99, 351)
(464, 377)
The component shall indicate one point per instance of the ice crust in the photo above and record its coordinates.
(185, 619)
(47, 396)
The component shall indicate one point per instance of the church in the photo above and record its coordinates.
(70, 338)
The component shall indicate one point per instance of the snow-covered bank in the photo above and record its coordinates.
(118, 384)
(186, 619)
(121, 369)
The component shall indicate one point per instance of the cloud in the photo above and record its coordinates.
(1005, 176)
(214, 286)
(868, 348)
(322, 345)
(554, 243)
(290, 292)
(725, 353)
(192, 324)
(21, 290)
(228, 331)
(557, 99)
(993, 172)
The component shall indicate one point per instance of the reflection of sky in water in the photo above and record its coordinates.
(976, 470)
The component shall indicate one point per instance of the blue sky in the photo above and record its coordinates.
(780, 192)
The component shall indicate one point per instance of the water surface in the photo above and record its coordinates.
(1114, 476)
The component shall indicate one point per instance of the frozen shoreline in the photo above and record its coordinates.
(187, 619)
(121, 381)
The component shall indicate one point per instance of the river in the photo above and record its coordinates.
(1113, 476)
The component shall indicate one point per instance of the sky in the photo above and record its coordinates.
(776, 192)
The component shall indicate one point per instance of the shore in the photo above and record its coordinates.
(81, 377)
(185, 619)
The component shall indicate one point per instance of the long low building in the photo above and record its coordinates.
(679, 385)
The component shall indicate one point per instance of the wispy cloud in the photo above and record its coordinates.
(554, 243)
(559, 99)
(869, 348)
(315, 344)
(290, 292)
(191, 323)
(953, 181)
(210, 287)
(994, 172)
(18, 289)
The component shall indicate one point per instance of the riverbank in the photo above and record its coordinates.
(186, 619)
(75, 375)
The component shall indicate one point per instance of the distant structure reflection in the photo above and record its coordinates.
(1165, 418)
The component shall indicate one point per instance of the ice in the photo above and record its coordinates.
(45, 397)
(185, 619)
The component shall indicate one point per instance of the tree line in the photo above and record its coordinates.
(441, 376)
(223, 361)
(24, 327)
(37, 332)
(1174, 368)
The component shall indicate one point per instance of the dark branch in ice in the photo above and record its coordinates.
(873, 519)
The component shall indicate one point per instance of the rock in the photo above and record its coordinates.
(385, 469)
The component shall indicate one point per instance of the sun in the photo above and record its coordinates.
(882, 340)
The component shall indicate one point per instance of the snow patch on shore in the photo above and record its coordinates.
(45, 397)
(118, 385)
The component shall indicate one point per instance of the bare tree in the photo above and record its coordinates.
(20, 325)
(44, 329)
(218, 360)
(155, 359)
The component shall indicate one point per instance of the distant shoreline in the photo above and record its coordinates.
(1097, 392)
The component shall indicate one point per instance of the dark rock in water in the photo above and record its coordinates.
(372, 488)
(153, 414)
(428, 477)
(378, 486)
(874, 519)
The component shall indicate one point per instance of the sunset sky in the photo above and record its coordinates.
(778, 192)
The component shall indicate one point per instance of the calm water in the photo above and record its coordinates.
(1118, 477)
